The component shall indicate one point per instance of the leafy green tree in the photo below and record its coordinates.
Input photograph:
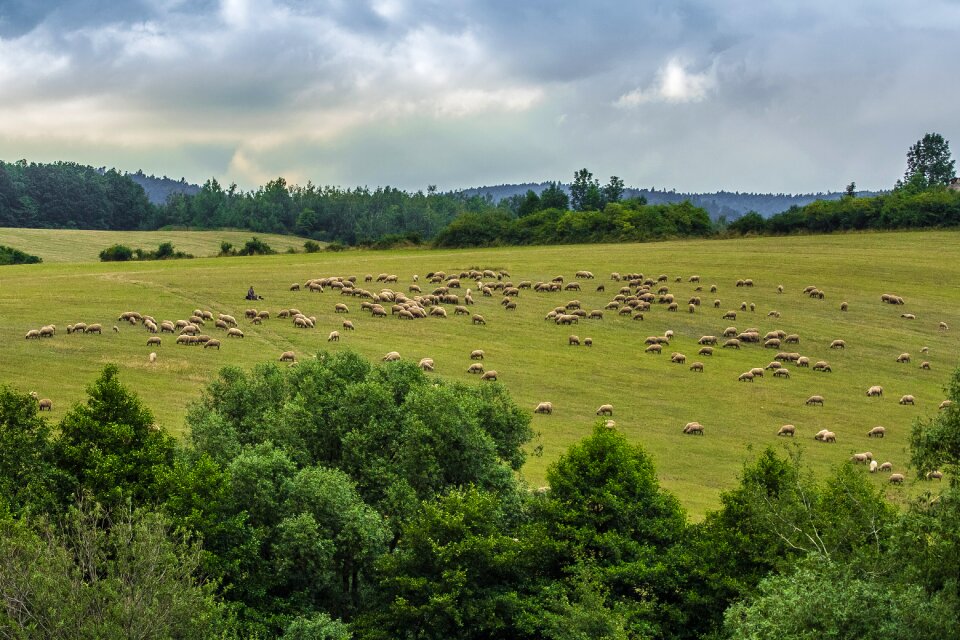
(110, 448)
(935, 442)
(607, 513)
(9, 255)
(613, 190)
(531, 203)
(459, 571)
(851, 190)
(554, 197)
(104, 574)
(28, 477)
(317, 627)
(930, 157)
(822, 599)
(585, 192)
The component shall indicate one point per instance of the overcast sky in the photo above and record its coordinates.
(764, 95)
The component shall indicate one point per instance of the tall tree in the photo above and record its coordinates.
(613, 191)
(930, 158)
(554, 197)
(585, 193)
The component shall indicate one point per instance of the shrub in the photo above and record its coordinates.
(311, 246)
(116, 253)
(255, 246)
(336, 246)
(9, 255)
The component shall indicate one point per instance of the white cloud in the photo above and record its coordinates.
(673, 84)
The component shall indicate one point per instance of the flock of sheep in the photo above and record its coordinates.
(636, 295)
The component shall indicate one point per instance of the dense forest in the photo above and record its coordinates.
(69, 195)
(338, 499)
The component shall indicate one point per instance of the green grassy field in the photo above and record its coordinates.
(652, 398)
(85, 246)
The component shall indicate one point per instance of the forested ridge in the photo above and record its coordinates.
(338, 499)
(69, 195)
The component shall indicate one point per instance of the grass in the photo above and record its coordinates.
(652, 398)
(85, 246)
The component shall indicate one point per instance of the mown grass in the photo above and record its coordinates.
(652, 398)
(85, 246)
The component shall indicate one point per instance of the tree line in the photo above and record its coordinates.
(68, 195)
(338, 499)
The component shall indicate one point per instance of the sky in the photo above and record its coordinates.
(694, 95)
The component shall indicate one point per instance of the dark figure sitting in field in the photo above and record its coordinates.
(252, 296)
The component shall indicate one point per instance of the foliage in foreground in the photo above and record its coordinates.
(337, 499)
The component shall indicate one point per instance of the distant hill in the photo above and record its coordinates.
(159, 189)
(731, 204)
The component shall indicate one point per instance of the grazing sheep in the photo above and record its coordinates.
(45, 404)
(233, 332)
(907, 399)
(426, 364)
(945, 404)
(476, 354)
(787, 430)
(716, 304)
(94, 328)
(772, 343)
(478, 319)
(33, 334)
(934, 475)
(732, 343)
(334, 336)
(908, 316)
(746, 376)
(654, 348)
(153, 341)
(803, 361)
(822, 365)
(729, 315)
(605, 410)
(873, 466)
(886, 466)
(705, 351)
(838, 344)
(844, 306)
(393, 356)
(859, 458)
(779, 288)
(573, 341)
(729, 332)
(814, 400)
(697, 366)
(896, 478)
(476, 367)
(925, 365)
(213, 342)
(757, 372)
(693, 428)
(545, 408)
(792, 338)
(678, 358)
(773, 314)
(489, 375)
(776, 364)
(943, 326)
(341, 308)
(903, 357)
(876, 391)
(829, 436)
(588, 342)
(876, 432)
(781, 373)
(152, 357)
(707, 340)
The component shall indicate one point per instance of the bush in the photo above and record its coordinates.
(116, 253)
(336, 246)
(226, 249)
(9, 255)
(255, 246)
(311, 246)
